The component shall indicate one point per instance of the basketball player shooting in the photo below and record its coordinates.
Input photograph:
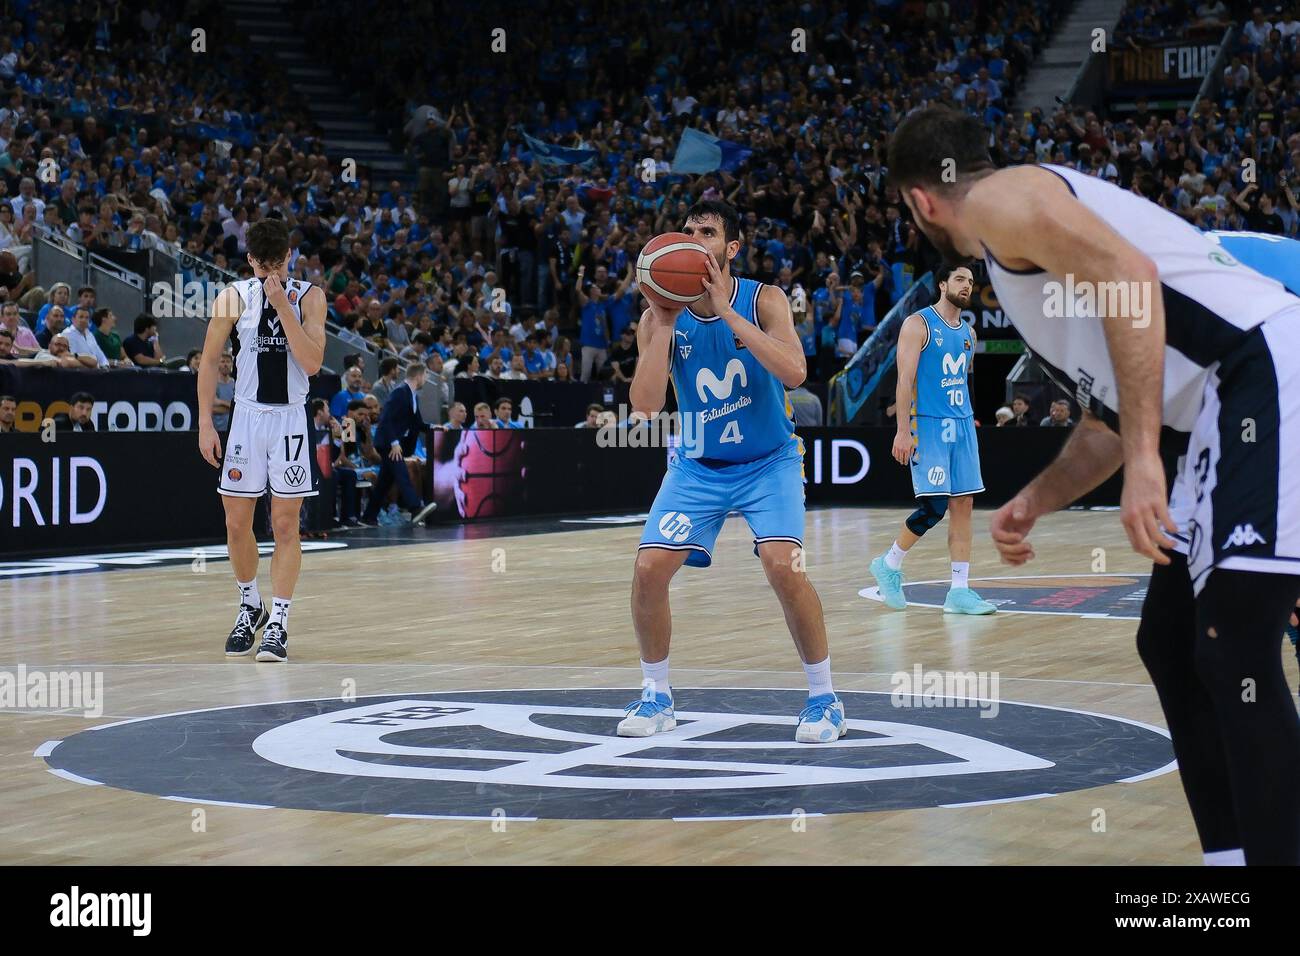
(276, 327)
(1204, 345)
(730, 359)
(936, 355)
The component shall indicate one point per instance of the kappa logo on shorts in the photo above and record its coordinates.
(675, 526)
(295, 475)
(555, 754)
(1243, 535)
(235, 474)
(936, 475)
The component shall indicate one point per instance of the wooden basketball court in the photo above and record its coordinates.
(539, 614)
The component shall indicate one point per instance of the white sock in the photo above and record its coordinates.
(1226, 858)
(960, 574)
(819, 678)
(894, 559)
(280, 610)
(657, 672)
(249, 594)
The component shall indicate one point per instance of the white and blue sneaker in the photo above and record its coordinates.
(650, 714)
(966, 601)
(822, 721)
(891, 584)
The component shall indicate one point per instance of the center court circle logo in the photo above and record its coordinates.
(675, 526)
(553, 754)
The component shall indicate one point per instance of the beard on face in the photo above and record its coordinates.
(959, 299)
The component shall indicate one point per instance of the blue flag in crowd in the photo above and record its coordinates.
(548, 154)
(701, 153)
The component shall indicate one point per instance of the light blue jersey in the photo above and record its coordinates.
(738, 408)
(1274, 256)
(942, 368)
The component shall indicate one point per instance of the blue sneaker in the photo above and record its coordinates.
(650, 714)
(966, 601)
(891, 583)
(822, 720)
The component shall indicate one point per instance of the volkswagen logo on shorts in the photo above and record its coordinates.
(935, 475)
(554, 754)
(295, 475)
(675, 526)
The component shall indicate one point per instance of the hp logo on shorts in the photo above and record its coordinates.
(295, 475)
(675, 526)
(936, 475)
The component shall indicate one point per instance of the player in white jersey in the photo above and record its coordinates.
(276, 328)
(1148, 322)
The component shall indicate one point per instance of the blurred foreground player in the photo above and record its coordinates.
(1163, 328)
(276, 328)
(730, 359)
(936, 354)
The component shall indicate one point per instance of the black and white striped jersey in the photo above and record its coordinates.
(1211, 302)
(266, 372)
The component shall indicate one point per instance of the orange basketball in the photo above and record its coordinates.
(671, 270)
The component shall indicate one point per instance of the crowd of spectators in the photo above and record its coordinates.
(499, 262)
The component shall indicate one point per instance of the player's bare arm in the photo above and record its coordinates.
(1091, 455)
(1052, 230)
(225, 313)
(306, 338)
(773, 341)
(911, 339)
(654, 340)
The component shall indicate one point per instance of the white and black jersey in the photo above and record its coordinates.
(266, 372)
(1231, 377)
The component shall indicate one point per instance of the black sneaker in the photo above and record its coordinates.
(274, 648)
(248, 622)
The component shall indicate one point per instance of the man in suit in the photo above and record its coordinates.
(400, 425)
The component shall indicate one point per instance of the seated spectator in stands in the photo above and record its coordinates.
(109, 341)
(192, 361)
(593, 416)
(7, 351)
(1058, 416)
(371, 326)
(517, 372)
(563, 357)
(622, 357)
(807, 406)
(60, 354)
(496, 368)
(1004, 416)
(14, 283)
(1020, 412)
(81, 340)
(505, 414)
(225, 400)
(60, 295)
(390, 374)
(400, 427)
(483, 416)
(78, 419)
(357, 459)
(51, 325)
(347, 331)
(352, 388)
(468, 366)
(143, 348)
(25, 343)
(456, 416)
(8, 413)
(324, 424)
(374, 409)
(416, 348)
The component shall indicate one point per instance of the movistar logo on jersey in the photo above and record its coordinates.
(954, 365)
(720, 388)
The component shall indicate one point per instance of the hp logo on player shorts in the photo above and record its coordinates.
(936, 475)
(675, 526)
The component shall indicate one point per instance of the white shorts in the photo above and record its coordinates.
(268, 448)
(1236, 500)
